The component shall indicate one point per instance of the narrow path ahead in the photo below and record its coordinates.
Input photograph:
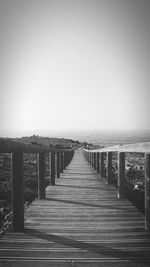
(80, 223)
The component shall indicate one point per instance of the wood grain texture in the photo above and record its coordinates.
(80, 223)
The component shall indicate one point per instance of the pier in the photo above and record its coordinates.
(80, 221)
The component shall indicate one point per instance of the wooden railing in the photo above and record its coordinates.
(58, 161)
(96, 159)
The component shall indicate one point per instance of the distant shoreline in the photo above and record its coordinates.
(99, 137)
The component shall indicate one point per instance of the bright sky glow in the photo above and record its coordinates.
(74, 64)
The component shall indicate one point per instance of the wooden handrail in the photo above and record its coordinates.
(96, 158)
(137, 147)
(17, 149)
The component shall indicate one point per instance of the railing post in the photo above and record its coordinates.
(62, 161)
(68, 157)
(17, 192)
(92, 159)
(52, 168)
(65, 160)
(147, 192)
(121, 175)
(58, 165)
(72, 154)
(95, 160)
(102, 165)
(98, 165)
(109, 167)
(41, 175)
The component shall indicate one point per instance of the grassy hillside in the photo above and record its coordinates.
(47, 141)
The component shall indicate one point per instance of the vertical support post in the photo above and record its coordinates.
(58, 165)
(52, 168)
(95, 161)
(98, 165)
(17, 192)
(102, 165)
(109, 167)
(121, 175)
(41, 175)
(68, 158)
(92, 159)
(147, 192)
(65, 160)
(62, 161)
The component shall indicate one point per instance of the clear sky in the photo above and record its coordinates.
(74, 64)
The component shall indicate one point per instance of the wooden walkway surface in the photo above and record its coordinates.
(80, 223)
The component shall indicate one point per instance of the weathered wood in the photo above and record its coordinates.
(17, 192)
(80, 223)
(52, 168)
(109, 168)
(98, 162)
(121, 175)
(70, 156)
(62, 161)
(41, 175)
(94, 161)
(102, 164)
(90, 157)
(147, 192)
(65, 160)
(58, 165)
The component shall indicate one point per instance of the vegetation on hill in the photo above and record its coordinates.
(47, 141)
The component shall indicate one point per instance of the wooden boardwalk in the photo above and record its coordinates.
(80, 223)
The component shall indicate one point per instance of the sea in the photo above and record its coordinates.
(97, 137)
(105, 137)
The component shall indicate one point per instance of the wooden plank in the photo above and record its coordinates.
(52, 167)
(109, 168)
(58, 164)
(98, 162)
(121, 175)
(81, 222)
(62, 161)
(17, 192)
(41, 175)
(102, 164)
